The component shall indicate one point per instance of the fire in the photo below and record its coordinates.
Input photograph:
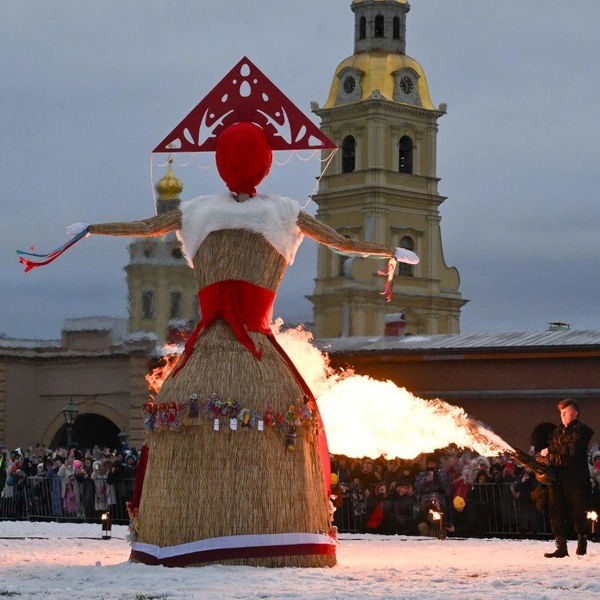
(363, 416)
(169, 355)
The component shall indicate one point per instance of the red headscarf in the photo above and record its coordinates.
(243, 157)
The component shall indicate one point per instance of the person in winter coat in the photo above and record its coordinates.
(508, 497)
(404, 509)
(64, 472)
(529, 517)
(570, 490)
(595, 492)
(467, 518)
(99, 478)
(430, 518)
(378, 510)
(88, 489)
(55, 487)
(433, 481)
(115, 478)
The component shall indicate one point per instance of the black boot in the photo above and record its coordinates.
(581, 545)
(561, 549)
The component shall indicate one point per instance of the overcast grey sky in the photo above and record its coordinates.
(89, 88)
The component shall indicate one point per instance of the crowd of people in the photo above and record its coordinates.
(66, 482)
(451, 492)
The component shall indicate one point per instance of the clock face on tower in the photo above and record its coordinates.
(349, 84)
(406, 85)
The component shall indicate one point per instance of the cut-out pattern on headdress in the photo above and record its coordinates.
(245, 94)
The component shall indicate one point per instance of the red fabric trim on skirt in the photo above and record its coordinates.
(218, 555)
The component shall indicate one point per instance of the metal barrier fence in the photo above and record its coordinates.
(42, 498)
(505, 515)
(36, 498)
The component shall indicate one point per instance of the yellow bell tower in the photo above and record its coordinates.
(161, 287)
(382, 186)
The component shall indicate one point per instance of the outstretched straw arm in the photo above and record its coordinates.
(152, 227)
(326, 235)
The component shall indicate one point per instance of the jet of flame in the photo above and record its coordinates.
(366, 417)
(363, 416)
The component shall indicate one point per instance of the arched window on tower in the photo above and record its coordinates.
(147, 305)
(348, 154)
(342, 261)
(362, 28)
(396, 28)
(404, 269)
(405, 155)
(175, 310)
(379, 32)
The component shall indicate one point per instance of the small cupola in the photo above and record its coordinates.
(380, 25)
(168, 189)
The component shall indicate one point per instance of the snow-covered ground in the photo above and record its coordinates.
(60, 561)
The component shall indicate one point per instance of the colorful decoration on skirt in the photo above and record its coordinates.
(175, 415)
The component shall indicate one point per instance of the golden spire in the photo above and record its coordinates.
(169, 187)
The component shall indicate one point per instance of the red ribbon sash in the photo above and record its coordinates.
(245, 307)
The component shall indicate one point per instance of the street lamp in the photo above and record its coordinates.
(123, 437)
(70, 412)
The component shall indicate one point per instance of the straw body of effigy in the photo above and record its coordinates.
(225, 484)
(203, 484)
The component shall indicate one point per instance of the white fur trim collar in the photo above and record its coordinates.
(275, 217)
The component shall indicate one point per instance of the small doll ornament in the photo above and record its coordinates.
(194, 409)
(290, 440)
(268, 417)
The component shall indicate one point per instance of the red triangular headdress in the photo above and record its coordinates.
(245, 94)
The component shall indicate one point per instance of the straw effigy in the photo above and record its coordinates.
(204, 484)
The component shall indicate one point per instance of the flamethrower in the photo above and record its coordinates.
(542, 470)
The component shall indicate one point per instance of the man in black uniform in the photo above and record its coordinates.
(569, 492)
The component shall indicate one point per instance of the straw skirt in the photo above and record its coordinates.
(234, 497)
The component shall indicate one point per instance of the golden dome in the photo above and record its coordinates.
(378, 70)
(169, 187)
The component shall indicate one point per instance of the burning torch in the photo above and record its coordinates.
(592, 516)
(437, 518)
